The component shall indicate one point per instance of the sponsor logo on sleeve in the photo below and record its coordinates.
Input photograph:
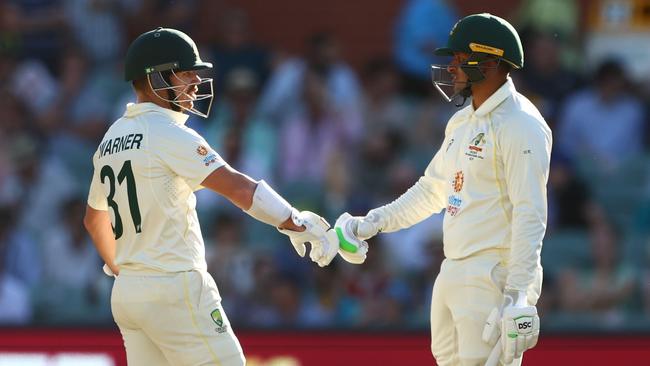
(453, 205)
(459, 179)
(202, 150)
(208, 158)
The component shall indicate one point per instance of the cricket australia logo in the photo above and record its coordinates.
(475, 148)
(218, 320)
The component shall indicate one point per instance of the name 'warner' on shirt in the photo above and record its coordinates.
(115, 145)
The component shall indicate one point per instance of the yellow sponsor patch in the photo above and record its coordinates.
(477, 47)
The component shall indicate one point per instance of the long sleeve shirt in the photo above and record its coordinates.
(490, 175)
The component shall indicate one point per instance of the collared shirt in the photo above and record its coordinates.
(147, 168)
(490, 175)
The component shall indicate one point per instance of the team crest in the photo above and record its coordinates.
(459, 179)
(478, 140)
(202, 150)
(218, 320)
(475, 148)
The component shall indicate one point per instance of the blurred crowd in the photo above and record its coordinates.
(331, 138)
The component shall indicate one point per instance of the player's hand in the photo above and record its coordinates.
(316, 227)
(515, 323)
(363, 227)
(111, 271)
(324, 251)
(519, 331)
(350, 246)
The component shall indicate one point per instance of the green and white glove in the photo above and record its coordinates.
(324, 244)
(350, 230)
(515, 324)
(519, 331)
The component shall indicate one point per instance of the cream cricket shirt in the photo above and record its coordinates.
(146, 169)
(490, 175)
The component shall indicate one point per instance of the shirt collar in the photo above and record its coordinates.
(506, 90)
(133, 109)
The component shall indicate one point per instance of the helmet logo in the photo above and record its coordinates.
(156, 35)
(477, 47)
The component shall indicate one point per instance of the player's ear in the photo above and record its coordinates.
(489, 66)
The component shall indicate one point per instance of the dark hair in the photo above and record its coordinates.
(609, 68)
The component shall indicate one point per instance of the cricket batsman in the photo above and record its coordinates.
(141, 211)
(490, 176)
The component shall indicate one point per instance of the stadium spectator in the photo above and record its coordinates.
(421, 26)
(15, 304)
(571, 203)
(602, 291)
(282, 94)
(233, 49)
(98, 26)
(384, 107)
(231, 263)
(602, 125)
(39, 28)
(237, 131)
(70, 291)
(545, 79)
(314, 133)
(324, 304)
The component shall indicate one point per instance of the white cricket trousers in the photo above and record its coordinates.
(464, 293)
(173, 319)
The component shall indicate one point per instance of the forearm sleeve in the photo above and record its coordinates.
(268, 206)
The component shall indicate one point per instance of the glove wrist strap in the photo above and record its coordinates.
(516, 298)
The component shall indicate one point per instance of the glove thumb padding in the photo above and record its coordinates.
(315, 226)
(492, 329)
(364, 227)
(351, 248)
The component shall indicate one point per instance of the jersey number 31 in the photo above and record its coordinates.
(125, 173)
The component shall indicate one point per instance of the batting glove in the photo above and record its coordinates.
(517, 324)
(519, 331)
(324, 245)
(350, 246)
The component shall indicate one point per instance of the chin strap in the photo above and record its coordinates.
(465, 93)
